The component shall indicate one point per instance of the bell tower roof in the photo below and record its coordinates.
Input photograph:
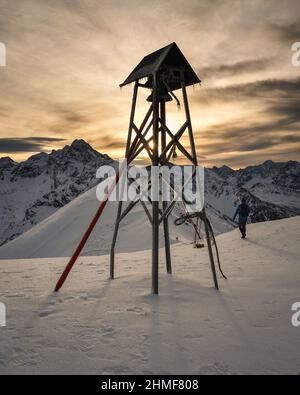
(169, 57)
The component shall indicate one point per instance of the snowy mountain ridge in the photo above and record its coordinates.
(35, 189)
(284, 174)
(274, 182)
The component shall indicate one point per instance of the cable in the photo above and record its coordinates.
(217, 249)
(188, 218)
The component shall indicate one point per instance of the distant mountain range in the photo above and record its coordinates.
(36, 188)
(32, 190)
(275, 183)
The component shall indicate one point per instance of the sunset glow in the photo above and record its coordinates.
(65, 60)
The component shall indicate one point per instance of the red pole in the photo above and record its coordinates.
(89, 230)
(130, 158)
(85, 237)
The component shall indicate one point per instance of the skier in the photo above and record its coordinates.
(243, 211)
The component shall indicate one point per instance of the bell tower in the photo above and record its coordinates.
(161, 73)
(164, 71)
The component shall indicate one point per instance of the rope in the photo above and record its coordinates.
(188, 217)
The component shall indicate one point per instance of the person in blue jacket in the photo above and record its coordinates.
(243, 211)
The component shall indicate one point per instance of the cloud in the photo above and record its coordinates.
(66, 59)
(261, 89)
(30, 144)
(290, 138)
(233, 69)
(271, 128)
(254, 142)
(238, 160)
(287, 33)
(275, 110)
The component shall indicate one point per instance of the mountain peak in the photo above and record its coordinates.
(223, 171)
(6, 162)
(80, 144)
(81, 147)
(268, 162)
(225, 167)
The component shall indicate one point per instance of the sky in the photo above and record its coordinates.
(65, 60)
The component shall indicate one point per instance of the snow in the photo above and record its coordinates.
(35, 189)
(277, 195)
(99, 326)
(70, 222)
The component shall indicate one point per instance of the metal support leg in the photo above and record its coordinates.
(155, 248)
(165, 204)
(112, 251)
(155, 203)
(210, 252)
(194, 154)
(167, 241)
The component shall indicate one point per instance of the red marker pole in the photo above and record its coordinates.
(130, 157)
(89, 230)
(85, 238)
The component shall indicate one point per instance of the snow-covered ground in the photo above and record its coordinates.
(99, 326)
